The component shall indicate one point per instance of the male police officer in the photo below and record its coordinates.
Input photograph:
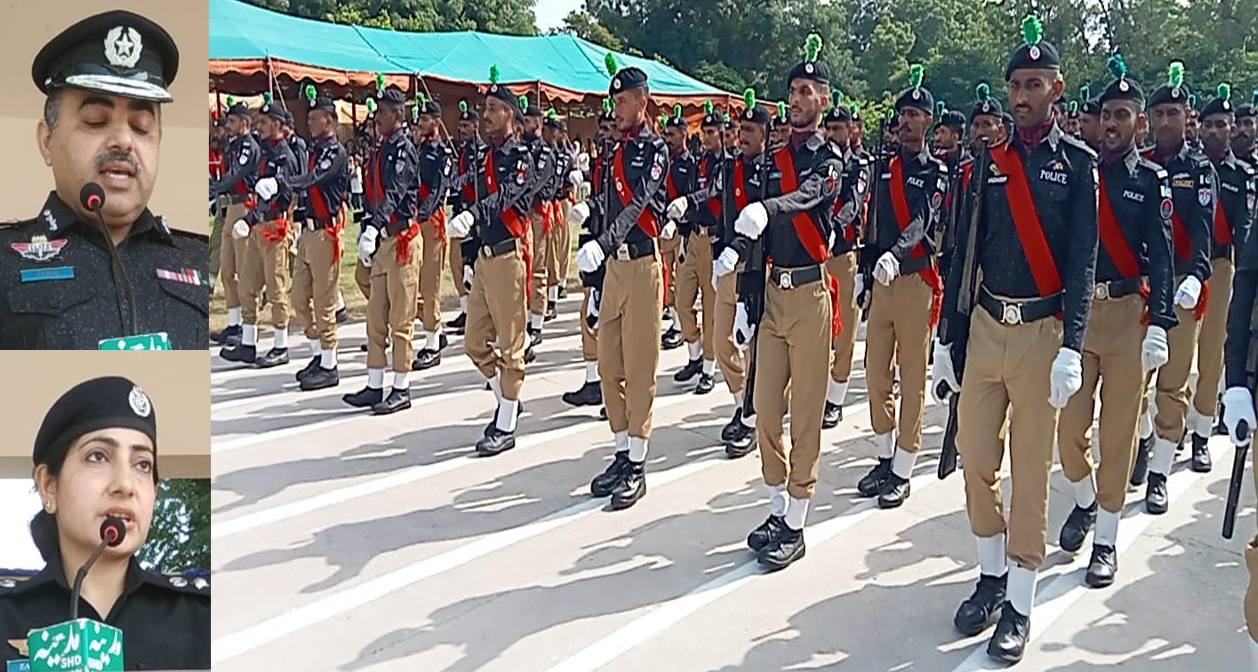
(236, 186)
(435, 165)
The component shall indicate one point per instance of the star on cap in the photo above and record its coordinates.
(106, 53)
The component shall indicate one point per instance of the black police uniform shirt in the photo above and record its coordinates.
(567, 163)
(301, 154)
(244, 153)
(818, 166)
(1193, 193)
(635, 200)
(849, 207)
(165, 620)
(746, 178)
(325, 181)
(558, 174)
(1139, 193)
(435, 164)
(502, 211)
(924, 184)
(389, 184)
(470, 166)
(542, 172)
(682, 179)
(1240, 312)
(1061, 174)
(58, 290)
(704, 208)
(277, 162)
(1237, 184)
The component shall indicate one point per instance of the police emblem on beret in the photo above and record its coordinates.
(1034, 52)
(1167, 208)
(916, 94)
(1123, 85)
(616, 83)
(123, 46)
(140, 402)
(808, 68)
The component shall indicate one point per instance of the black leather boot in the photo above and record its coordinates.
(606, 482)
(1008, 643)
(978, 611)
(765, 534)
(871, 483)
(1076, 527)
(783, 550)
(631, 488)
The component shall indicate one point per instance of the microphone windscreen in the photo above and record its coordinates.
(92, 196)
(113, 531)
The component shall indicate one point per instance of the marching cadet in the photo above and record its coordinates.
(985, 123)
(729, 134)
(266, 226)
(463, 195)
(948, 135)
(552, 198)
(1243, 144)
(702, 211)
(681, 181)
(317, 267)
(1040, 192)
(243, 156)
(799, 318)
(1193, 193)
(633, 290)
(849, 208)
(1090, 130)
(386, 247)
(497, 307)
(567, 198)
(1134, 222)
(435, 162)
(904, 304)
(543, 175)
(1192, 128)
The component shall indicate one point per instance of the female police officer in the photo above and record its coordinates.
(96, 456)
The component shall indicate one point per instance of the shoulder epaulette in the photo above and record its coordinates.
(1078, 144)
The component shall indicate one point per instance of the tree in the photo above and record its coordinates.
(584, 26)
(179, 537)
(507, 17)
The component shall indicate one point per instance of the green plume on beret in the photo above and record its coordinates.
(524, 102)
(1225, 91)
(1073, 106)
(1032, 29)
(1192, 100)
(890, 114)
(420, 99)
(982, 92)
(230, 101)
(415, 113)
(1116, 65)
(463, 106)
(836, 98)
(550, 114)
(707, 107)
(610, 62)
(493, 74)
(856, 108)
(310, 92)
(371, 105)
(812, 47)
(266, 96)
(915, 75)
(1175, 74)
(1085, 93)
(781, 109)
(749, 98)
(677, 110)
(380, 81)
(940, 108)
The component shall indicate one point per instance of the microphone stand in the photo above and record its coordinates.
(109, 537)
(120, 272)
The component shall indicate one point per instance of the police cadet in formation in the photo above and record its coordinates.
(243, 155)
(906, 292)
(387, 246)
(1134, 224)
(1192, 127)
(317, 266)
(682, 174)
(847, 224)
(436, 163)
(497, 308)
(1090, 130)
(463, 194)
(1036, 250)
(555, 196)
(1243, 140)
(780, 130)
(633, 289)
(544, 162)
(266, 230)
(1192, 218)
(702, 211)
(796, 326)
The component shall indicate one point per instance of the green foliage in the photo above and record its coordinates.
(510, 17)
(179, 537)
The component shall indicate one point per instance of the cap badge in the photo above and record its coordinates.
(123, 46)
(616, 83)
(1122, 86)
(916, 94)
(1034, 52)
(986, 107)
(140, 402)
(808, 68)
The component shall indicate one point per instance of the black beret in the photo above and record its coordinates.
(675, 121)
(955, 120)
(504, 94)
(607, 115)
(469, 114)
(729, 122)
(533, 111)
(430, 107)
(1249, 109)
(273, 110)
(1122, 89)
(817, 71)
(917, 96)
(1034, 52)
(625, 79)
(1167, 94)
(240, 110)
(562, 125)
(1091, 107)
(94, 404)
(1221, 104)
(391, 96)
(837, 113)
(989, 106)
(289, 118)
(757, 114)
(551, 122)
(324, 104)
(220, 121)
(713, 118)
(118, 53)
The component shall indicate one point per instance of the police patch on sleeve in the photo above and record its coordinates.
(1167, 208)
(657, 167)
(936, 199)
(521, 171)
(325, 164)
(1203, 196)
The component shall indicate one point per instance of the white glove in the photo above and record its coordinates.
(725, 262)
(752, 220)
(1065, 378)
(669, 230)
(677, 208)
(887, 268)
(576, 177)
(579, 213)
(590, 257)
(367, 244)
(1238, 405)
(240, 230)
(1154, 352)
(460, 225)
(1188, 293)
(591, 309)
(467, 277)
(941, 371)
(266, 188)
(743, 331)
(858, 289)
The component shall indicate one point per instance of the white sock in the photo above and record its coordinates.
(507, 408)
(1163, 456)
(837, 392)
(399, 380)
(495, 384)
(1106, 528)
(709, 365)
(591, 372)
(902, 463)
(1021, 589)
(281, 338)
(1146, 424)
(637, 449)
(552, 293)
(1205, 426)
(777, 500)
(671, 312)
(738, 398)
(796, 513)
(316, 348)
(695, 349)
(749, 421)
(622, 441)
(233, 317)
(886, 444)
(992, 558)
(249, 335)
(375, 378)
(463, 304)
(432, 339)
(340, 301)
(535, 321)
(328, 358)
(1085, 491)
(1253, 653)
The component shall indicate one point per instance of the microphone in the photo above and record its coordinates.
(92, 198)
(112, 532)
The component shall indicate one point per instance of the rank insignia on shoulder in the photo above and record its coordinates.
(39, 248)
(188, 276)
(20, 646)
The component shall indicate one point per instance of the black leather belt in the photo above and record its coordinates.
(500, 248)
(315, 223)
(1114, 289)
(634, 250)
(914, 265)
(788, 278)
(1222, 252)
(237, 198)
(1019, 311)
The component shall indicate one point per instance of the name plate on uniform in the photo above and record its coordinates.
(76, 646)
(157, 341)
(18, 666)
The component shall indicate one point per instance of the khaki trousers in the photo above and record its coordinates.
(1171, 402)
(694, 278)
(216, 236)
(1009, 366)
(793, 336)
(668, 249)
(724, 310)
(843, 345)
(362, 278)
(557, 241)
(1111, 353)
(265, 265)
(629, 342)
(497, 316)
(541, 260)
(391, 306)
(589, 337)
(563, 248)
(1210, 343)
(316, 278)
(455, 253)
(430, 274)
(232, 256)
(898, 330)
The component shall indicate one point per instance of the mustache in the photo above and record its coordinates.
(110, 157)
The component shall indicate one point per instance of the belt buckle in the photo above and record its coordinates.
(784, 280)
(622, 252)
(1010, 314)
(1101, 292)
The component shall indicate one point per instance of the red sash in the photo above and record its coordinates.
(469, 190)
(1222, 229)
(646, 219)
(672, 186)
(277, 233)
(808, 232)
(438, 215)
(1026, 219)
(1112, 238)
(714, 204)
(740, 186)
(900, 204)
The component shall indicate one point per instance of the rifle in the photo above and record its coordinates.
(957, 328)
(1242, 452)
(750, 288)
(867, 257)
(469, 247)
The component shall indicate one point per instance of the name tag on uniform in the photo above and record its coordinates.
(18, 666)
(158, 341)
(42, 274)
